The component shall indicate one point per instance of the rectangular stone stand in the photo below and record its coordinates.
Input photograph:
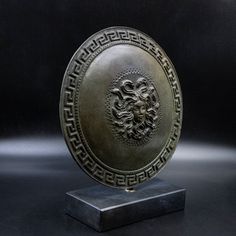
(105, 208)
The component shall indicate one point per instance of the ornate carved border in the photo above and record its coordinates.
(70, 87)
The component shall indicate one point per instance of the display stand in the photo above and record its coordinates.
(105, 208)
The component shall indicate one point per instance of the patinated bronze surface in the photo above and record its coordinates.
(121, 107)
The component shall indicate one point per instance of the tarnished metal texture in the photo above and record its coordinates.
(121, 107)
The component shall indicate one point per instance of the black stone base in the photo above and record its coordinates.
(105, 208)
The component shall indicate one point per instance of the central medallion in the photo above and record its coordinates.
(133, 107)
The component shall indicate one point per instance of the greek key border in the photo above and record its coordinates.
(71, 129)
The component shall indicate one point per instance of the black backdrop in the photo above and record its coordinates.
(38, 38)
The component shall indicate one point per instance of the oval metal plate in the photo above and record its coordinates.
(121, 107)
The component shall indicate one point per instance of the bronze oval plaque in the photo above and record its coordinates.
(121, 107)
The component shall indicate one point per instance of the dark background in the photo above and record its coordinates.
(37, 40)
